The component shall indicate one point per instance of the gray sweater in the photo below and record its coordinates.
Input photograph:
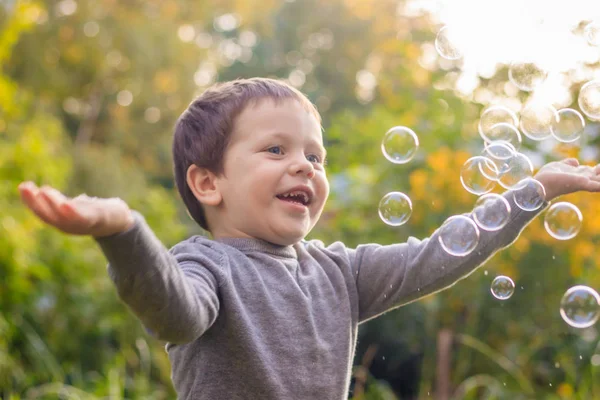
(247, 319)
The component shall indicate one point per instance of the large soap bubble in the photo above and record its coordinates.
(459, 235)
(400, 144)
(476, 175)
(500, 153)
(592, 33)
(494, 115)
(395, 208)
(526, 75)
(563, 220)
(537, 119)
(491, 212)
(569, 125)
(519, 168)
(504, 132)
(580, 306)
(531, 196)
(446, 44)
(589, 99)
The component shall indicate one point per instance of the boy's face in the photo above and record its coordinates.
(274, 185)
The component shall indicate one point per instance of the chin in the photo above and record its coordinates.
(289, 238)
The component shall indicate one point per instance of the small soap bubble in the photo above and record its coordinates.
(491, 212)
(494, 115)
(531, 196)
(569, 125)
(476, 175)
(459, 235)
(395, 208)
(502, 287)
(537, 119)
(400, 144)
(589, 99)
(592, 33)
(580, 306)
(519, 168)
(504, 132)
(563, 220)
(446, 44)
(526, 75)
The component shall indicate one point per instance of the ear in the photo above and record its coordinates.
(202, 183)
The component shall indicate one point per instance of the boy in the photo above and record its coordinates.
(257, 312)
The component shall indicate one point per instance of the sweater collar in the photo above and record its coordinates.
(247, 245)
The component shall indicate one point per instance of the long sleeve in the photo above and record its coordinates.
(173, 293)
(393, 275)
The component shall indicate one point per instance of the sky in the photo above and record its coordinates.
(493, 33)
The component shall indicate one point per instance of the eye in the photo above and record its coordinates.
(313, 158)
(275, 150)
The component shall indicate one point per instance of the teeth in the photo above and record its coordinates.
(297, 193)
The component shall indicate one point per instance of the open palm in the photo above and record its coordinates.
(81, 215)
(567, 176)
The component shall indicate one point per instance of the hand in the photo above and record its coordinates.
(81, 215)
(567, 176)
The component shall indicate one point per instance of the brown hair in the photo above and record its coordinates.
(202, 132)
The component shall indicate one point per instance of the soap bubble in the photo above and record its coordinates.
(491, 212)
(400, 144)
(589, 99)
(569, 125)
(531, 196)
(526, 75)
(475, 173)
(592, 33)
(502, 287)
(459, 235)
(494, 115)
(499, 153)
(446, 44)
(503, 132)
(519, 168)
(537, 120)
(395, 208)
(563, 220)
(580, 306)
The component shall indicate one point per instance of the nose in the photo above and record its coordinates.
(301, 166)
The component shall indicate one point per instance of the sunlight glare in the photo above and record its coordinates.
(490, 34)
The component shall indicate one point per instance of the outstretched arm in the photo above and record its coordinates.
(174, 295)
(389, 276)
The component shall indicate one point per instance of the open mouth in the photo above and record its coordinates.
(298, 197)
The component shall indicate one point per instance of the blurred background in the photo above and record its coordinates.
(89, 94)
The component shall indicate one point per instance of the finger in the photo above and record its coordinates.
(27, 186)
(593, 186)
(54, 199)
(571, 161)
(39, 205)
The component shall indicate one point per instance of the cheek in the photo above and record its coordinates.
(324, 184)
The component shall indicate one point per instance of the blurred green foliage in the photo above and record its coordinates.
(89, 93)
